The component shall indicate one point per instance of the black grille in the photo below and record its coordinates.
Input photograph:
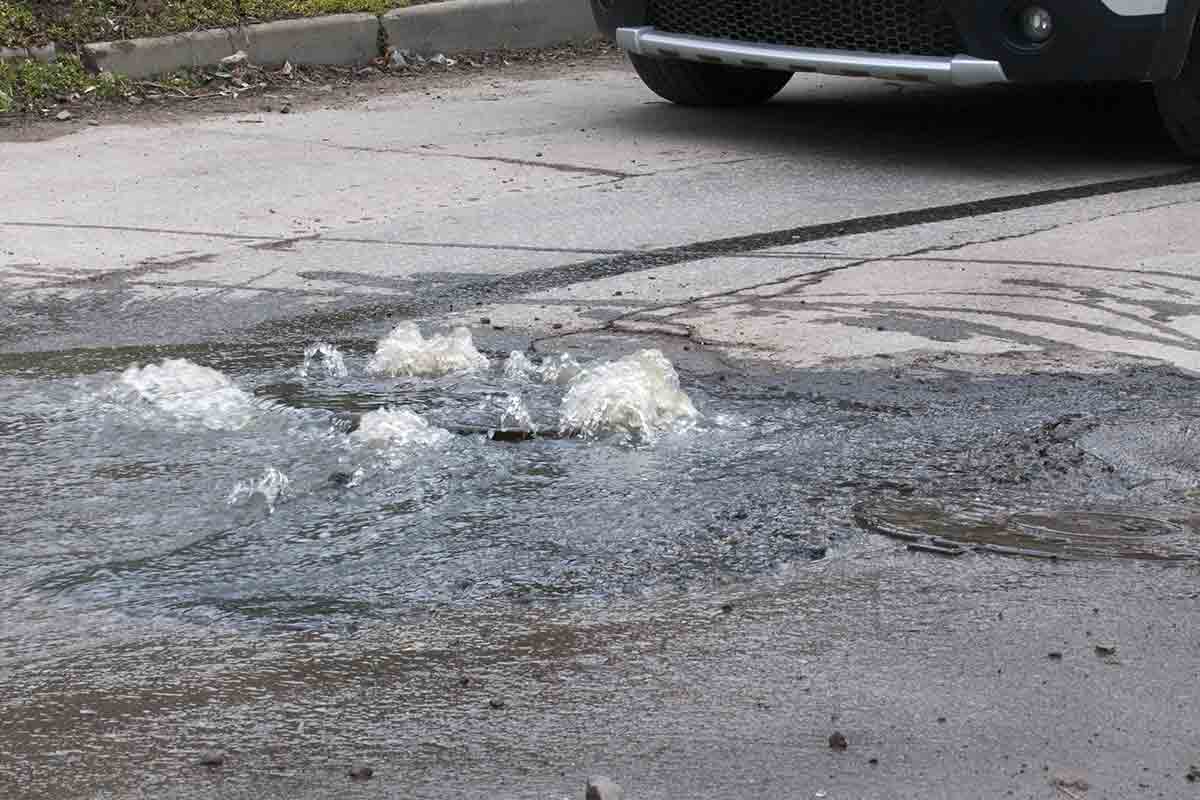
(910, 27)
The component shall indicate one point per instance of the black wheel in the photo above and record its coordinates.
(693, 84)
(1179, 103)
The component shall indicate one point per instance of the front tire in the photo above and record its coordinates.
(693, 84)
(1179, 103)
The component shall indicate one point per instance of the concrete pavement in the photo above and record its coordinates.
(415, 185)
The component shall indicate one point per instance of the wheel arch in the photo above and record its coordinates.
(613, 14)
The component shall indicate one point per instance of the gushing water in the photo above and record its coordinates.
(557, 370)
(406, 353)
(186, 393)
(331, 360)
(397, 427)
(516, 415)
(268, 489)
(638, 394)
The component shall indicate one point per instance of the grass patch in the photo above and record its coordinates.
(27, 23)
(284, 9)
(26, 85)
(17, 23)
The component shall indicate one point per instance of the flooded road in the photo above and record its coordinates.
(361, 438)
(278, 522)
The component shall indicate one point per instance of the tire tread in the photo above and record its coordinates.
(1179, 103)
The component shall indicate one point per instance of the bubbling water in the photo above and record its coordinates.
(557, 370)
(638, 394)
(397, 427)
(406, 353)
(186, 393)
(331, 359)
(516, 415)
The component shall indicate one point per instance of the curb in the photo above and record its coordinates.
(45, 53)
(444, 27)
(488, 25)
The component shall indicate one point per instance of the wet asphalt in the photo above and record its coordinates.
(733, 598)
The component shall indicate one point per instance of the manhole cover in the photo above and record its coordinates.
(941, 528)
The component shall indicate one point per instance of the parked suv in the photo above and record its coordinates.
(741, 52)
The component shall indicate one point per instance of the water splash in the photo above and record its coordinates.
(391, 427)
(518, 367)
(406, 353)
(268, 489)
(557, 370)
(516, 415)
(638, 394)
(330, 357)
(185, 392)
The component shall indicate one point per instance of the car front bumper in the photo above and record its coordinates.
(956, 70)
(1095, 40)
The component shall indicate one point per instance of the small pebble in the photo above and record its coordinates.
(63, 115)
(837, 741)
(286, 108)
(211, 758)
(361, 772)
(1055, 656)
(485, 320)
(1104, 650)
(497, 703)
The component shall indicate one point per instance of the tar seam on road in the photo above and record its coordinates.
(554, 277)
(546, 278)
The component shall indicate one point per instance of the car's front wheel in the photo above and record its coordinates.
(1179, 103)
(694, 84)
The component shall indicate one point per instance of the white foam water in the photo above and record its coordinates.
(518, 367)
(186, 393)
(330, 358)
(397, 427)
(557, 370)
(516, 416)
(638, 394)
(269, 489)
(406, 353)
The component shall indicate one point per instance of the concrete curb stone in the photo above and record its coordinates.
(339, 39)
(488, 25)
(45, 53)
(141, 58)
(445, 27)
